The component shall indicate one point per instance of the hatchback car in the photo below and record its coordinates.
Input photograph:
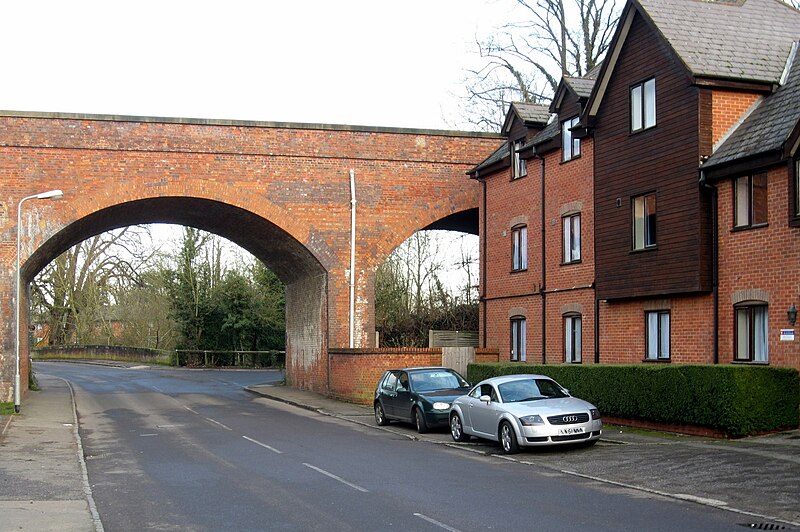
(418, 395)
(524, 410)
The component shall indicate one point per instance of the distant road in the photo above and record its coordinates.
(178, 449)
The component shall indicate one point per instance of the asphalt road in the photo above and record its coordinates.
(171, 449)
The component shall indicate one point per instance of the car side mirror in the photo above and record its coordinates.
(486, 399)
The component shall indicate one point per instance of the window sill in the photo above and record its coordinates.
(571, 263)
(750, 362)
(643, 250)
(565, 161)
(522, 270)
(643, 130)
(517, 178)
(657, 360)
(748, 227)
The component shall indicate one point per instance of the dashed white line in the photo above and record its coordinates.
(264, 445)
(437, 523)
(190, 410)
(339, 479)
(215, 422)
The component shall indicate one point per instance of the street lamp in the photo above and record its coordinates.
(52, 194)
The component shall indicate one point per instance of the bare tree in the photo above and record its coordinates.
(72, 294)
(524, 60)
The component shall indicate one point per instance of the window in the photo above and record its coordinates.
(570, 146)
(643, 105)
(572, 237)
(752, 325)
(751, 200)
(518, 339)
(797, 187)
(519, 248)
(657, 335)
(520, 166)
(572, 338)
(644, 221)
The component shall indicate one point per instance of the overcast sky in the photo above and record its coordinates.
(359, 62)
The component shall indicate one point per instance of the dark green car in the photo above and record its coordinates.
(421, 396)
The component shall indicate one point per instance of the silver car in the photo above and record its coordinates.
(524, 410)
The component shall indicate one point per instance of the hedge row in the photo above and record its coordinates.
(738, 400)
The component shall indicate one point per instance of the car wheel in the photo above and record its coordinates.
(419, 419)
(380, 415)
(457, 429)
(508, 438)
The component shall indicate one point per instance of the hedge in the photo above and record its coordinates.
(737, 400)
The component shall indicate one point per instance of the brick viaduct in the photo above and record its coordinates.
(281, 191)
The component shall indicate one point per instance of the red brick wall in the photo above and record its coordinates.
(281, 191)
(727, 108)
(355, 372)
(763, 260)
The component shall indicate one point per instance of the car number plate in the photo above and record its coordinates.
(571, 430)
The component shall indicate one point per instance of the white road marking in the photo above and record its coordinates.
(190, 410)
(149, 434)
(437, 523)
(334, 477)
(215, 422)
(264, 445)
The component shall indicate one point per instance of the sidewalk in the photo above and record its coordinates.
(41, 478)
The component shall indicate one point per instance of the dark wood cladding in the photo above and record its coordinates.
(663, 160)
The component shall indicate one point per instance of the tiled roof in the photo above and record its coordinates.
(744, 40)
(531, 112)
(552, 131)
(498, 156)
(769, 125)
(581, 86)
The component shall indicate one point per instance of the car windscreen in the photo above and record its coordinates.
(427, 381)
(530, 390)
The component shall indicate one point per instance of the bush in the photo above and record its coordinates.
(737, 400)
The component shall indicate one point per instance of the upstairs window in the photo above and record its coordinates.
(657, 335)
(751, 200)
(572, 238)
(643, 105)
(644, 221)
(520, 167)
(519, 248)
(797, 187)
(570, 146)
(518, 339)
(572, 338)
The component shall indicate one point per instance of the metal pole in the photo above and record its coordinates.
(52, 194)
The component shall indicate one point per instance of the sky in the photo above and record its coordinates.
(357, 62)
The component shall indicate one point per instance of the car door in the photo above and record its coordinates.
(483, 416)
(403, 402)
(388, 394)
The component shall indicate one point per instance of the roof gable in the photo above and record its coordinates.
(530, 114)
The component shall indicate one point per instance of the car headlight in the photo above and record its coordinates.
(439, 405)
(535, 419)
(595, 413)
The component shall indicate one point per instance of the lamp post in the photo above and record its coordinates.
(52, 194)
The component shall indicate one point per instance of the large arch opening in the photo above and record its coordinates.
(304, 278)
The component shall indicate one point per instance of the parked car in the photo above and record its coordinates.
(524, 410)
(418, 395)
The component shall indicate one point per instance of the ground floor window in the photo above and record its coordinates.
(518, 339)
(572, 338)
(657, 335)
(752, 325)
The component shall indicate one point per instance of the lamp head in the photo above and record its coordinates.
(51, 194)
(791, 314)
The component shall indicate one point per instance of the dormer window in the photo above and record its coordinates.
(643, 105)
(519, 166)
(570, 146)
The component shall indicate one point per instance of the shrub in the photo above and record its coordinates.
(738, 400)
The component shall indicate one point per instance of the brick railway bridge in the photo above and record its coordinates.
(281, 191)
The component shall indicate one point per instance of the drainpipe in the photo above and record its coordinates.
(482, 294)
(543, 288)
(705, 185)
(352, 256)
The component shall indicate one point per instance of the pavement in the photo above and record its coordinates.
(44, 485)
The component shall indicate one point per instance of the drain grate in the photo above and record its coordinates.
(764, 526)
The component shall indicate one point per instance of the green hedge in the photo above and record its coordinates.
(738, 400)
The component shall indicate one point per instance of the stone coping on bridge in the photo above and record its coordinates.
(248, 123)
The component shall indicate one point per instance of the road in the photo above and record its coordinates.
(176, 449)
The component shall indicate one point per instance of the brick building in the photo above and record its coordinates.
(652, 213)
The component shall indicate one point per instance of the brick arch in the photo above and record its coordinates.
(279, 190)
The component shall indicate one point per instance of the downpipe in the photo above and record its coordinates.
(352, 256)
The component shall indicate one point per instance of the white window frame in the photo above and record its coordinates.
(519, 165)
(518, 339)
(643, 105)
(751, 323)
(657, 330)
(571, 237)
(573, 331)
(570, 145)
(750, 200)
(643, 221)
(519, 248)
